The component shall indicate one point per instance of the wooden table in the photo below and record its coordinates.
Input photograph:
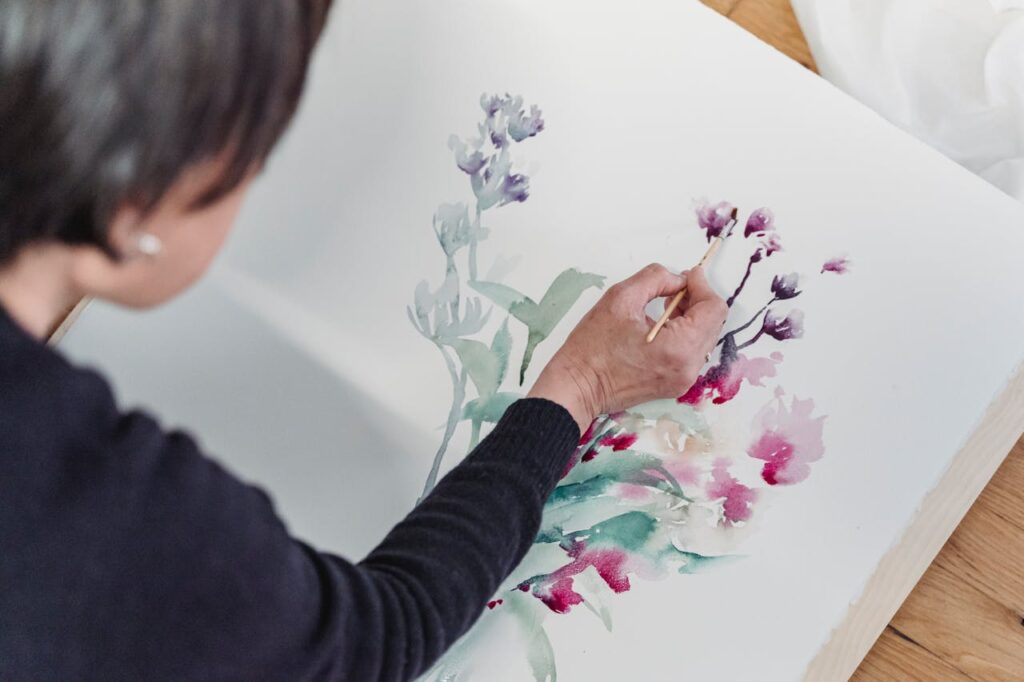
(965, 618)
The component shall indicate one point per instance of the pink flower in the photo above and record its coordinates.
(771, 244)
(840, 265)
(722, 382)
(714, 218)
(788, 440)
(738, 499)
(760, 221)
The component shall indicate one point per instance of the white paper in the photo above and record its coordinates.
(295, 362)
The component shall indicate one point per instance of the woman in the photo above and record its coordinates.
(130, 131)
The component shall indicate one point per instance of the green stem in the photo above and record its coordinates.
(474, 436)
(458, 397)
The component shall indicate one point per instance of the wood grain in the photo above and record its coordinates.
(773, 21)
(965, 618)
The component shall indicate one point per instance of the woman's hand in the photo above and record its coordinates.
(607, 365)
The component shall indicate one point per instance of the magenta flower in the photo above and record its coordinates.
(771, 244)
(737, 499)
(784, 328)
(722, 382)
(556, 589)
(785, 286)
(788, 440)
(588, 434)
(840, 265)
(713, 219)
(623, 441)
(760, 221)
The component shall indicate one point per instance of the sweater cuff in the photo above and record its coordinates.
(544, 433)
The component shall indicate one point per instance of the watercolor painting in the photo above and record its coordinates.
(650, 492)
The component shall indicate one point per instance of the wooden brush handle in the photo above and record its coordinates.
(678, 298)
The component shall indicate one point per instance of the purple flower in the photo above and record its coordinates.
(713, 219)
(522, 125)
(771, 244)
(515, 187)
(784, 328)
(497, 185)
(491, 104)
(785, 286)
(840, 265)
(469, 161)
(760, 221)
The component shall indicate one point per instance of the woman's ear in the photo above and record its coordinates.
(97, 272)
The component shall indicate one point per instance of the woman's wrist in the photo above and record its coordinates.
(560, 384)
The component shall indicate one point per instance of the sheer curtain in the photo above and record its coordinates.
(951, 72)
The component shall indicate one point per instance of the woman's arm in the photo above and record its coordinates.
(214, 586)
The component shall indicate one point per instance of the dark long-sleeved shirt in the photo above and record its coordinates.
(126, 554)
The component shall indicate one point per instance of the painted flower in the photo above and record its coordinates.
(556, 590)
(737, 499)
(522, 125)
(722, 382)
(468, 158)
(771, 244)
(497, 185)
(588, 434)
(623, 441)
(514, 187)
(788, 439)
(785, 286)
(714, 218)
(453, 228)
(784, 328)
(491, 104)
(839, 265)
(760, 221)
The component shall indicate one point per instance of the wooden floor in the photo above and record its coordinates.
(965, 618)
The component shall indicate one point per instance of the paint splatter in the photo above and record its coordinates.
(839, 265)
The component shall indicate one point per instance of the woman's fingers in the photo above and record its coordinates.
(704, 315)
(653, 281)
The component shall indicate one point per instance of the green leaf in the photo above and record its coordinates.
(540, 318)
(480, 363)
(501, 347)
(489, 409)
(502, 295)
(558, 299)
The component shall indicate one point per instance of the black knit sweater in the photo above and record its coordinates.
(126, 554)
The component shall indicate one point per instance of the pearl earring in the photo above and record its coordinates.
(149, 244)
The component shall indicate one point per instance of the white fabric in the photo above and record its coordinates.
(951, 72)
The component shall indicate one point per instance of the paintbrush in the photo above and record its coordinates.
(678, 298)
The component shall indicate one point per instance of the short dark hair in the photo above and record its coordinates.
(105, 103)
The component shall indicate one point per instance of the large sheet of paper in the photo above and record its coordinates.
(386, 288)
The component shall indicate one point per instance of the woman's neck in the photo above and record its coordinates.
(35, 289)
